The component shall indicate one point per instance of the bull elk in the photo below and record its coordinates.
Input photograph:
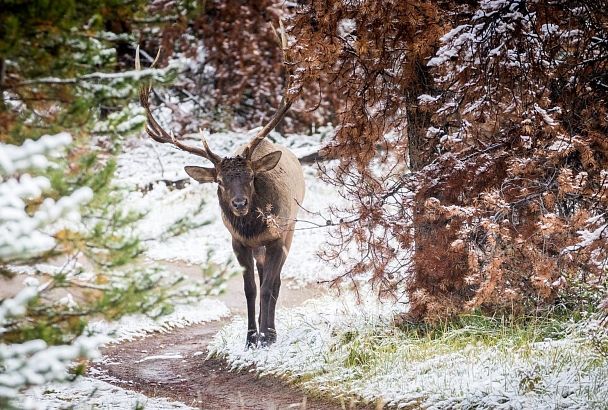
(259, 189)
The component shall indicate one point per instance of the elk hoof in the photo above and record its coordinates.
(252, 339)
(272, 336)
(266, 339)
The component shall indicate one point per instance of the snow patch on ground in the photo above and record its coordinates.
(133, 326)
(161, 357)
(144, 163)
(88, 393)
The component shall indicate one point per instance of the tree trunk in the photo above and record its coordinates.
(418, 121)
(433, 259)
(2, 73)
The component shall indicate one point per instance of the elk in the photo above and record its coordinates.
(259, 191)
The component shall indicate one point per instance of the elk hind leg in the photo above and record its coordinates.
(259, 254)
(275, 257)
(275, 291)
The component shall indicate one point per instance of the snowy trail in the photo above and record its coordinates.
(167, 360)
(174, 364)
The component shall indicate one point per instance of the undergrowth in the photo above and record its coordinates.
(539, 355)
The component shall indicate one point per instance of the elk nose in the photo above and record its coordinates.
(239, 203)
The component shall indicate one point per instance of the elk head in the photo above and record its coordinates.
(235, 178)
(234, 175)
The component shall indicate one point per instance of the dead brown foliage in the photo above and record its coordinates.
(505, 128)
(242, 76)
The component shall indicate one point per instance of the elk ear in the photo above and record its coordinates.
(201, 174)
(267, 162)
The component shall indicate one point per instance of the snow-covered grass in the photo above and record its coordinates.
(339, 348)
(149, 166)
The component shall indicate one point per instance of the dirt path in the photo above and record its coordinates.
(181, 372)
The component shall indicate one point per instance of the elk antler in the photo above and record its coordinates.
(285, 103)
(157, 133)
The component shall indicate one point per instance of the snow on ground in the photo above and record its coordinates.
(161, 357)
(88, 393)
(143, 170)
(303, 333)
(133, 326)
(146, 162)
(340, 348)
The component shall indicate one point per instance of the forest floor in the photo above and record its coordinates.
(329, 346)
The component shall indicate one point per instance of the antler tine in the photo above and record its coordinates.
(286, 100)
(155, 131)
(276, 118)
(216, 157)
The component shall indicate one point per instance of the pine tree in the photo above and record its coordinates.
(67, 100)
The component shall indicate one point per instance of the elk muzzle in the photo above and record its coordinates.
(240, 206)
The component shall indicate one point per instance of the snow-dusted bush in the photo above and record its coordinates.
(502, 122)
(25, 233)
(34, 362)
(516, 201)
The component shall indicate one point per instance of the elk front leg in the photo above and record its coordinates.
(275, 257)
(245, 257)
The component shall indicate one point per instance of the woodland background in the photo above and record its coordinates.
(470, 141)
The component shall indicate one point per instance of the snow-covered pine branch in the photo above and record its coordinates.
(154, 74)
(23, 233)
(33, 362)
